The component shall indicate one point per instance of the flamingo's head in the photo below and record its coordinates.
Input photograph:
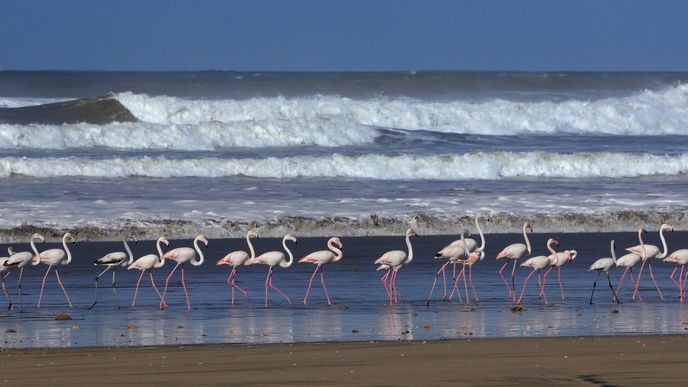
(35, 260)
(484, 217)
(70, 237)
(133, 238)
(253, 234)
(164, 240)
(552, 241)
(667, 227)
(291, 238)
(338, 242)
(528, 227)
(571, 254)
(411, 233)
(203, 239)
(37, 236)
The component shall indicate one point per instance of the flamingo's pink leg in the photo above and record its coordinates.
(637, 283)
(542, 287)
(384, 283)
(455, 288)
(229, 282)
(305, 299)
(671, 277)
(167, 281)
(279, 291)
(393, 283)
(322, 279)
(40, 296)
(524, 286)
(57, 274)
(680, 288)
(188, 304)
(661, 296)
(234, 285)
(434, 283)
(544, 279)
(561, 285)
(465, 284)
(136, 292)
(618, 288)
(267, 281)
(470, 281)
(513, 280)
(153, 285)
(633, 282)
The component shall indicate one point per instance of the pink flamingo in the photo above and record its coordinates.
(3, 268)
(319, 258)
(113, 260)
(21, 259)
(53, 258)
(236, 259)
(396, 259)
(272, 259)
(563, 258)
(452, 253)
(472, 258)
(679, 258)
(148, 263)
(628, 261)
(650, 252)
(537, 264)
(471, 245)
(182, 255)
(605, 265)
(515, 252)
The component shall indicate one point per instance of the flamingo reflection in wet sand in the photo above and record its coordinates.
(236, 259)
(320, 258)
(54, 258)
(395, 260)
(537, 264)
(650, 252)
(514, 252)
(182, 255)
(21, 259)
(272, 259)
(605, 265)
(148, 263)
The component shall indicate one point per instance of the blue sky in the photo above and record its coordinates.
(323, 35)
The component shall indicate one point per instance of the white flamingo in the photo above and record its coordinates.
(679, 258)
(3, 276)
(537, 264)
(320, 258)
(472, 259)
(651, 252)
(147, 263)
(452, 253)
(563, 258)
(112, 261)
(182, 255)
(272, 259)
(236, 259)
(605, 265)
(514, 252)
(395, 259)
(21, 259)
(53, 258)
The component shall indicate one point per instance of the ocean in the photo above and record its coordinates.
(351, 154)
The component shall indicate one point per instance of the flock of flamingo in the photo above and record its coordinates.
(463, 251)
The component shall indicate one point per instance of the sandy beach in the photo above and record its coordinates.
(623, 360)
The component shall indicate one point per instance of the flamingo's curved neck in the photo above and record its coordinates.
(664, 244)
(525, 236)
(337, 252)
(482, 237)
(611, 247)
(642, 244)
(33, 246)
(555, 256)
(410, 248)
(69, 253)
(250, 247)
(161, 261)
(126, 247)
(199, 261)
(289, 254)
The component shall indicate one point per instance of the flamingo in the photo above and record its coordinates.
(650, 252)
(605, 265)
(319, 258)
(472, 245)
(3, 268)
(628, 261)
(21, 259)
(110, 261)
(563, 258)
(452, 253)
(272, 259)
(472, 258)
(182, 255)
(537, 264)
(236, 259)
(679, 258)
(514, 252)
(147, 263)
(395, 259)
(53, 258)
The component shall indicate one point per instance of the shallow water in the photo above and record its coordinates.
(359, 310)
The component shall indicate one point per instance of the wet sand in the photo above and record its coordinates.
(622, 360)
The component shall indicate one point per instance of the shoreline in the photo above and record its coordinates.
(608, 360)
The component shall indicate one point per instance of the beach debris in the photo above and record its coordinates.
(354, 331)
(426, 327)
(406, 332)
(75, 327)
(615, 311)
(517, 308)
(343, 307)
(131, 326)
(180, 327)
(63, 317)
(684, 322)
(10, 331)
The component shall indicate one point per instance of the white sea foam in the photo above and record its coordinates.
(491, 166)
